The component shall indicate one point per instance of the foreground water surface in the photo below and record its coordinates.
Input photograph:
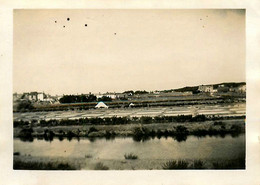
(227, 147)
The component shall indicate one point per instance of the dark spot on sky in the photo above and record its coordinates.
(200, 19)
(68, 19)
(55, 21)
(63, 26)
(114, 33)
(203, 26)
(86, 25)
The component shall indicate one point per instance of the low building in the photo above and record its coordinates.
(40, 96)
(110, 95)
(239, 89)
(206, 88)
(34, 96)
(242, 88)
(122, 96)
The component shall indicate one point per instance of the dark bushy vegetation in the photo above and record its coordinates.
(25, 105)
(141, 92)
(21, 165)
(105, 98)
(230, 164)
(198, 164)
(78, 98)
(26, 134)
(170, 165)
(101, 166)
(131, 156)
(178, 132)
(135, 92)
(21, 123)
(143, 134)
(127, 120)
(130, 92)
(185, 89)
(92, 129)
(140, 133)
(238, 163)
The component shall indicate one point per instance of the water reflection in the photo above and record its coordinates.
(181, 138)
(140, 138)
(61, 138)
(178, 138)
(235, 135)
(145, 147)
(27, 139)
(110, 138)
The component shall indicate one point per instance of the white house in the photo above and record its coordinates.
(40, 96)
(206, 88)
(112, 96)
(242, 88)
(34, 96)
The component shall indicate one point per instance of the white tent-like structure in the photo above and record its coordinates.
(101, 105)
(131, 105)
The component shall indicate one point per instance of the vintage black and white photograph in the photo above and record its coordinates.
(129, 89)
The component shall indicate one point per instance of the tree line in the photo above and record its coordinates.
(82, 98)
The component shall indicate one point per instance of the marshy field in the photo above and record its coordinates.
(225, 109)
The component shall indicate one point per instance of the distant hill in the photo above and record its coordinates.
(184, 89)
(215, 86)
(230, 84)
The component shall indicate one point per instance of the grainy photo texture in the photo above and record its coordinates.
(129, 89)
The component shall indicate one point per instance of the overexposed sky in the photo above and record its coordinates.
(122, 50)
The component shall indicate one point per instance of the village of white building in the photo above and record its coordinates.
(41, 97)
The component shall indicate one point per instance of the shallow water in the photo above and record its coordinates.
(163, 148)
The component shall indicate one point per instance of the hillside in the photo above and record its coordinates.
(195, 88)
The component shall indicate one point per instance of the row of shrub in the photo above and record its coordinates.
(179, 133)
(123, 120)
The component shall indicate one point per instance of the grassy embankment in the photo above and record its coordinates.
(22, 162)
(135, 163)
